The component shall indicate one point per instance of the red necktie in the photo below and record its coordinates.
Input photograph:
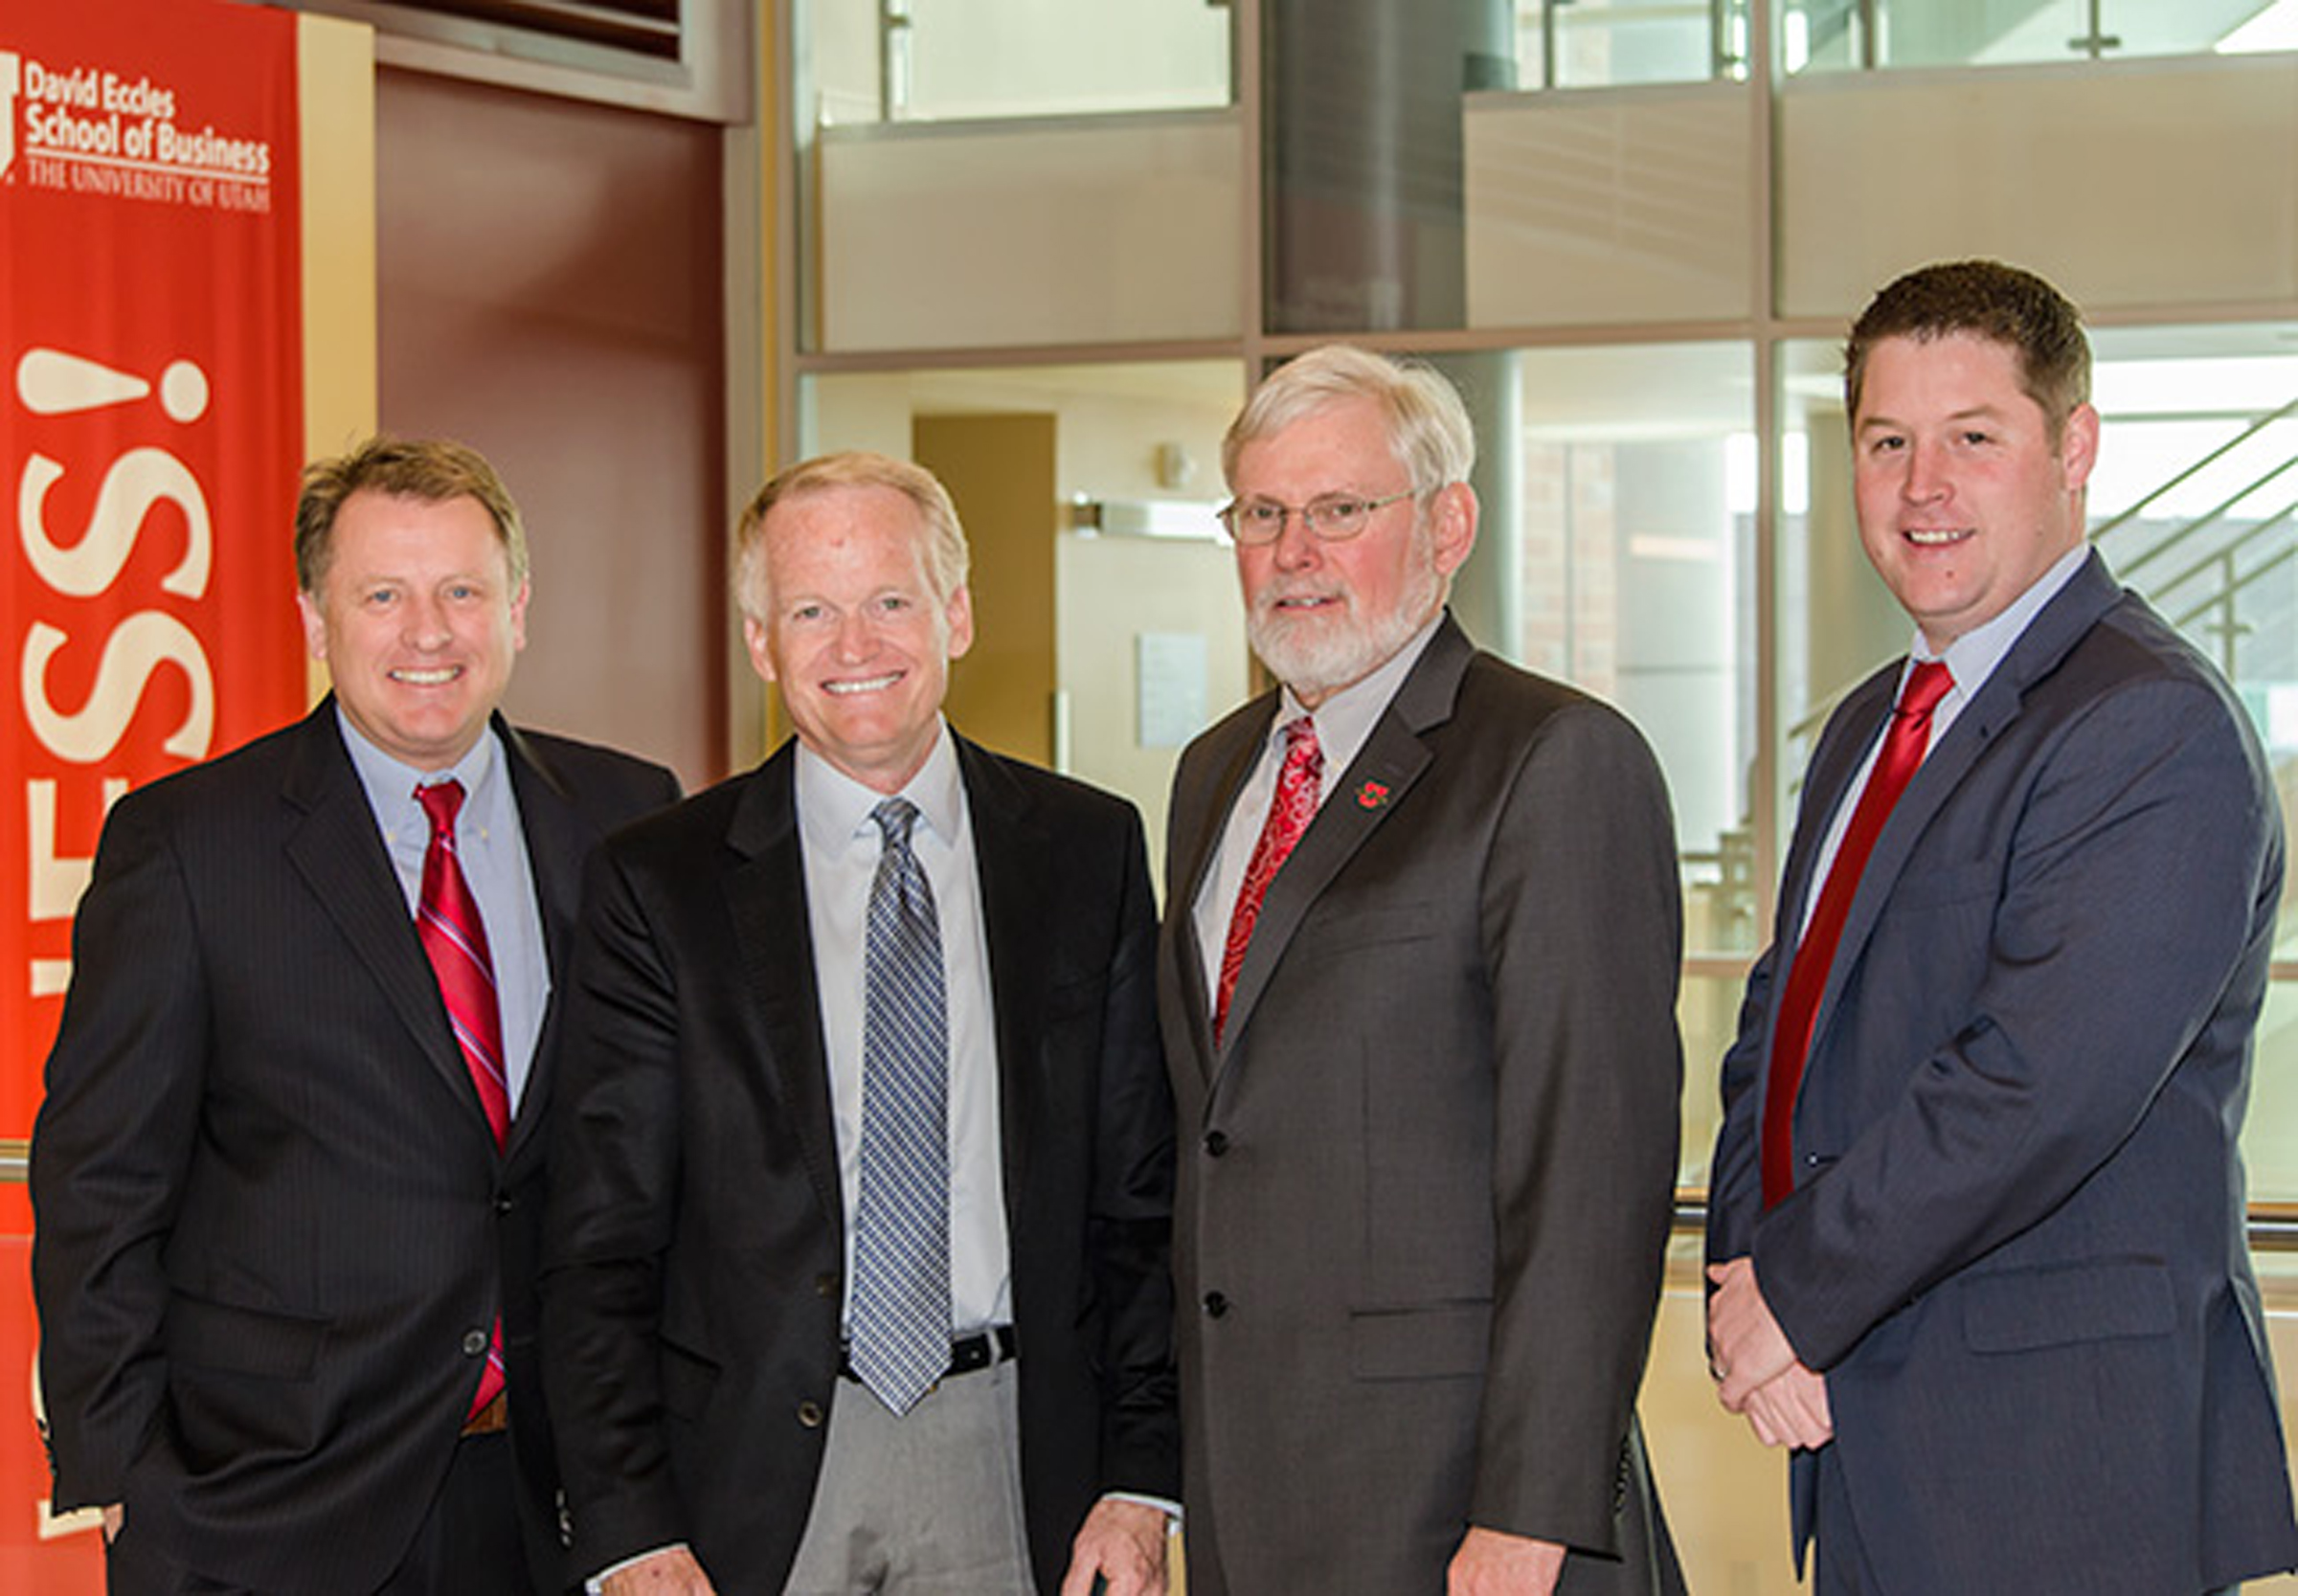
(1903, 745)
(455, 940)
(1290, 812)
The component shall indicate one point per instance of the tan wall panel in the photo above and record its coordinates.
(551, 293)
(1000, 469)
(1611, 206)
(1067, 232)
(2158, 184)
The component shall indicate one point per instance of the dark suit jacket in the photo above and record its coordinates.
(693, 1278)
(1428, 1175)
(271, 1218)
(2016, 1248)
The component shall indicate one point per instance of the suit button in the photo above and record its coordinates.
(1216, 1142)
(826, 1285)
(1215, 1304)
(810, 1414)
(503, 1204)
(474, 1343)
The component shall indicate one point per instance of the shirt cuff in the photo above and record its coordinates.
(592, 1585)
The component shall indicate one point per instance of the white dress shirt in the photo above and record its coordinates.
(841, 843)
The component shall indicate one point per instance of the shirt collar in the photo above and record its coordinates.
(389, 784)
(1972, 658)
(833, 808)
(1345, 720)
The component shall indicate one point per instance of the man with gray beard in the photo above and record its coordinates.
(1417, 986)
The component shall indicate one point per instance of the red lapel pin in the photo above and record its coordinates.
(1371, 795)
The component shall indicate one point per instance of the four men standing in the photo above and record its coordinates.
(866, 1215)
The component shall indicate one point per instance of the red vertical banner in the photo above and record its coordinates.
(150, 430)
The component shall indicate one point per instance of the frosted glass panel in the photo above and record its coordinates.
(2159, 184)
(1065, 231)
(1633, 205)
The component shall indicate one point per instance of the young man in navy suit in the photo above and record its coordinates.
(1977, 1233)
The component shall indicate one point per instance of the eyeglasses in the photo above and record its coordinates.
(1330, 517)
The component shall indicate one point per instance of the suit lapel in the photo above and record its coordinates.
(1243, 736)
(2061, 624)
(557, 841)
(1014, 855)
(339, 853)
(1365, 797)
(766, 898)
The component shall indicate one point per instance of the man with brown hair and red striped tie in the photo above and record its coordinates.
(1976, 1225)
(286, 1175)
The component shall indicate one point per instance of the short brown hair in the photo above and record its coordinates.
(431, 469)
(946, 555)
(1982, 299)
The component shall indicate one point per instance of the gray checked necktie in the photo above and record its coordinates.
(900, 1315)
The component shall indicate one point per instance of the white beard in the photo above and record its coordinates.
(1315, 655)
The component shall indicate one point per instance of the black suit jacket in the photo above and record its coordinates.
(272, 1227)
(1427, 1177)
(2015, 1243)
(693, 1276)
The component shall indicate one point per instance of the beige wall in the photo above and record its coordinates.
(557, 306)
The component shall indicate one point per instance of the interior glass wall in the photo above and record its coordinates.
(1850, 35)
(1613, 276)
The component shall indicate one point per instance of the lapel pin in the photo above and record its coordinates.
(1371, 795)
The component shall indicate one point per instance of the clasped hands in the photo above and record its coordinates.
(1757, 1372)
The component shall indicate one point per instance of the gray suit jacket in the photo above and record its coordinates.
(2016, 1248)
(1425, 1183)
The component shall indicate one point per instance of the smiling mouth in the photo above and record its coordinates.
(1298, 601)
(1935, 537)
(867, 684)
(434, 676)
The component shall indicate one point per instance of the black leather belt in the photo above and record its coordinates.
(967, 1353)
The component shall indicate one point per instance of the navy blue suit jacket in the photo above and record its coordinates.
(2016, 1245)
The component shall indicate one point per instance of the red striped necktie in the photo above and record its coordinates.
(455, 940)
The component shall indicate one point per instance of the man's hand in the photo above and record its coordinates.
(1746, 1347)
(1791, 1410)
(671, 1572)
(1756, 1369)
(1492, 1562)
(1123, 1542)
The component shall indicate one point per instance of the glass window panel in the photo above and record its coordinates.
(1707, 1014)
(1838, 35)
(1599, 43)
(2270, 1134)
(1633, 534)
(893, 60)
